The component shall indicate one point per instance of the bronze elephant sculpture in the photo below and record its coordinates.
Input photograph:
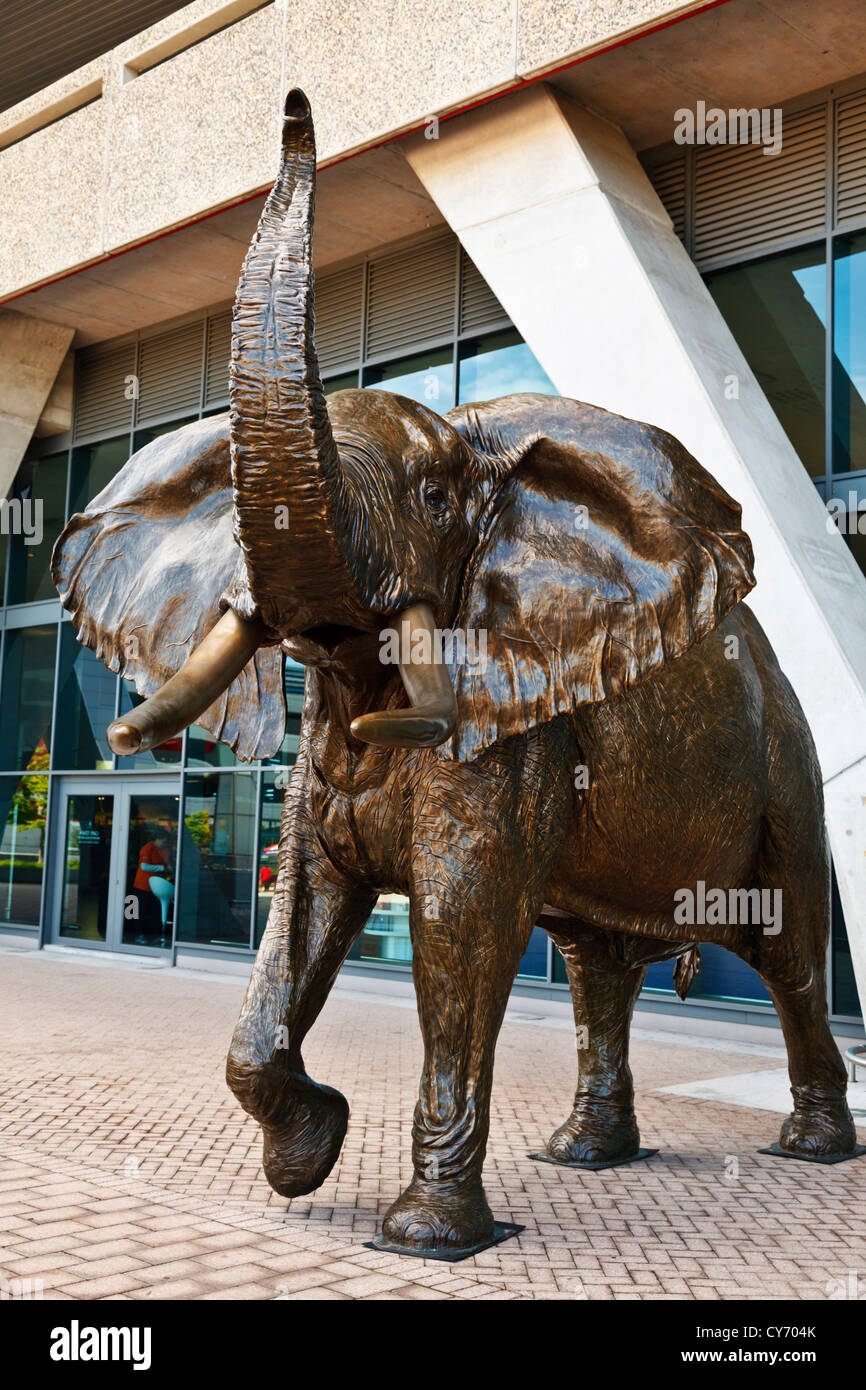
(628, 738)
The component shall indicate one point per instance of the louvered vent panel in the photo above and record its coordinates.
(669, 182)
(217, 351)
(851, 156)
(170, 368)
(411, 296)
(101, 406)
(339, 301)
(479, 307)
(746, 200)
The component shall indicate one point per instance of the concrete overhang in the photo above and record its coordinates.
(733, 53)
(744, 53)
(362, 203)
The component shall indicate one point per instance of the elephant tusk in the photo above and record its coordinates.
(205, 674)
(432, 715)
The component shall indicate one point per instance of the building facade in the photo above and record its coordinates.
(478, 224)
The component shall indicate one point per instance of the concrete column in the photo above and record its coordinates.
(56, 417)
(31, 355)
(556, 211)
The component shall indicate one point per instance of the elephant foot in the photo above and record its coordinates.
(595, 1132)
(818, 1127)
(303, 1124)
(435, 1217)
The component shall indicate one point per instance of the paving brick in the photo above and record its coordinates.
(100, 1288)
(362, 1285)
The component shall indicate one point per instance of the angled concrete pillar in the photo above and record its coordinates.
(56, 417)
(556, 211)
(31, 355)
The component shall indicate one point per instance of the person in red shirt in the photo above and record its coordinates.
(152, 873)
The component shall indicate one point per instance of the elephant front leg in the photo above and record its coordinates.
(464, 968)
(474, 901)
(602, 1125)
(315, 917)
(311, 927)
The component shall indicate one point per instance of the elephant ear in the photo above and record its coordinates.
(606, 552)
(147, 568)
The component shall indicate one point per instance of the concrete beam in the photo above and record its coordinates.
(556, 211)
(31, 355)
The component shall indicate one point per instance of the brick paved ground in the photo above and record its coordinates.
(127, 1171)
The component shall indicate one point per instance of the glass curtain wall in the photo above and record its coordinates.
(805, 340)
(225, 822)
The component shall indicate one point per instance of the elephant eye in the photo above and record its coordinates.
(436, 502)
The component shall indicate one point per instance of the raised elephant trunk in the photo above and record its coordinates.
(291, 501)
(293, 514)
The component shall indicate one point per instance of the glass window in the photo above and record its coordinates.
(722, 976)
(777, 311)
(386, 938)
(216, 886)
(288, 749)
(168, 752)
(845, 998)
(93, 467)
(534, 963)
(86, 696)
(295, 676)
(849, 353)
(386, 935)
(347, 381)
(23, 801)
(427, 377)
(857, 539)
(273, 790)
(145, 436)
(294, 688)
(34, 519)
(203, 750)
(28, 688)
(847, 506)
(498, 364)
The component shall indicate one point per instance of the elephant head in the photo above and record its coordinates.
(589, 549)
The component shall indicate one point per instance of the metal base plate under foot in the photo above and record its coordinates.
(502, 1230)
(776, 1151)
(599, 1164)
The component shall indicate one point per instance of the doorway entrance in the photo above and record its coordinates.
(115, 854)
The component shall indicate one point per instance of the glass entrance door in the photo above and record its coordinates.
(148, 869)
(116, 854)
(86, 867)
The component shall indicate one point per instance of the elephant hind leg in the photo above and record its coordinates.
(602, 1124)
(789, 954)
